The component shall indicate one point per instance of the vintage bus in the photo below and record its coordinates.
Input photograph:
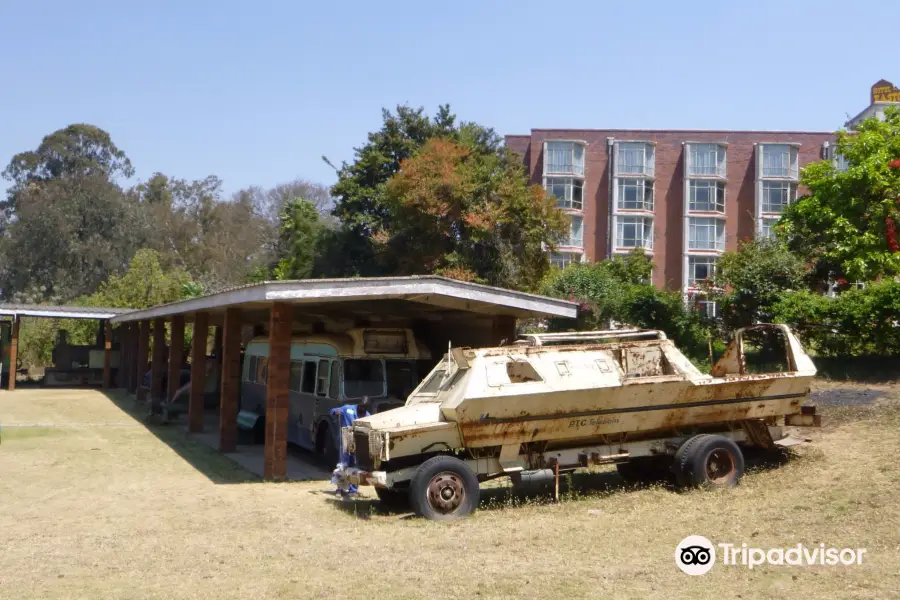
(329, 370)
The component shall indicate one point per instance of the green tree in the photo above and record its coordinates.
(428, 195)
(144, 284)
(301, 229)
(846, 224)
(750, 280)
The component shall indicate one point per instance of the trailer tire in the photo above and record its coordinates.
(395, 499)
(443, 488)
(679, 465)
(713, 461)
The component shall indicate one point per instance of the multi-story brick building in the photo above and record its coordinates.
(683, 196)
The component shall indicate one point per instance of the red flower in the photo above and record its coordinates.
(894, 164)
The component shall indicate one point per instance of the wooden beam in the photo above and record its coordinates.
(143, 351)
(277, 381)
(231, 380)
(13, 351)
(107, 354)
(198, 372)
(158, 364)
(176, 355)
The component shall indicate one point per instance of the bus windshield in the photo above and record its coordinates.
(363, 377)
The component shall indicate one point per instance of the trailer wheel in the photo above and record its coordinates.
(443, 488)
(395, 499)
(711, 461)
(679, 465)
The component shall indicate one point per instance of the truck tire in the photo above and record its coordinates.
(443, 488)
(712, 461)
(394, 499)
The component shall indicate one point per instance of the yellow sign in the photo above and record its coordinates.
(885, 91)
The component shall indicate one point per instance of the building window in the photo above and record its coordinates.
(706, 196)
(767, 228)
(707, 159)
(840, 163)
(707, 308)
(779, 160)
(576, 232)
(635, 194)
(706, 233)
(562, 260)
(700, 268)
(634, 158)
(634, 232)
(564, 157)
(568, 191)
(776, 195)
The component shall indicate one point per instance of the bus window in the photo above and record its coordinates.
(401, 379)
(322, 381)
(309, 377)
(363, 377)
(296, 375)
(334, 388)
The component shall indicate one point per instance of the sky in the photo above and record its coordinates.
(257, 92)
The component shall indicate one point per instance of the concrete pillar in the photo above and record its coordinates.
(158, 364)
(198, 372)
(231, 380)
(13, 351)
(176, 355)
(142, 354)
(503, 328)
(107, 354)
(277, 381)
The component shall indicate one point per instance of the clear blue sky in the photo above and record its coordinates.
(256, 92)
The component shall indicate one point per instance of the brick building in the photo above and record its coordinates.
(683, 196)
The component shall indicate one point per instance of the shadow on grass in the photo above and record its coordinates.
(572, 486)
(861, 369)
(215, 466)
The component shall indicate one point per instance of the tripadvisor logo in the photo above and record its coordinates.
(696, 555)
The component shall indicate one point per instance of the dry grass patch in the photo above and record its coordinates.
(102, 507)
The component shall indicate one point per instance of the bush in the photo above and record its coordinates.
(855, 323)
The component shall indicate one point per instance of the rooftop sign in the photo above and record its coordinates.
(885, 91)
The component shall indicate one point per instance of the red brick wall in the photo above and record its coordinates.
(669, 199)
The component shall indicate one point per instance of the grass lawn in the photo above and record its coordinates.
(97, 505)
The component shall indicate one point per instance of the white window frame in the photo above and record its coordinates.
(707, 150)
(707, 307)
(569, 184)
(561, 260)
(765, 206)
(573, 164)
(716, 191)
(694, 261)
(644, 152)
(643, 236)
(576, 232)
(767, 227)
(780, 167)
(705, 225)
(644, 190)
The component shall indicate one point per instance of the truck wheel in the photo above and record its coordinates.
(712, 461)
(679, 467)
(443, 488)
(395, 499)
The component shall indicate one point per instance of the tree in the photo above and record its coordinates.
(425, 195)
(144, 284)
(846, 224)
(301, 228)
(750, 280)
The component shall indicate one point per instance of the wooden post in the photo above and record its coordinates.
(124, 334)
(231, 380)
(277, 381)
(198, 372)
(143, 351)
(107, 354)
(13, 352)
(158, 364)
(176, 355)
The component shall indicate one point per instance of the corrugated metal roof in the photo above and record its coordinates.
(61, 312)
